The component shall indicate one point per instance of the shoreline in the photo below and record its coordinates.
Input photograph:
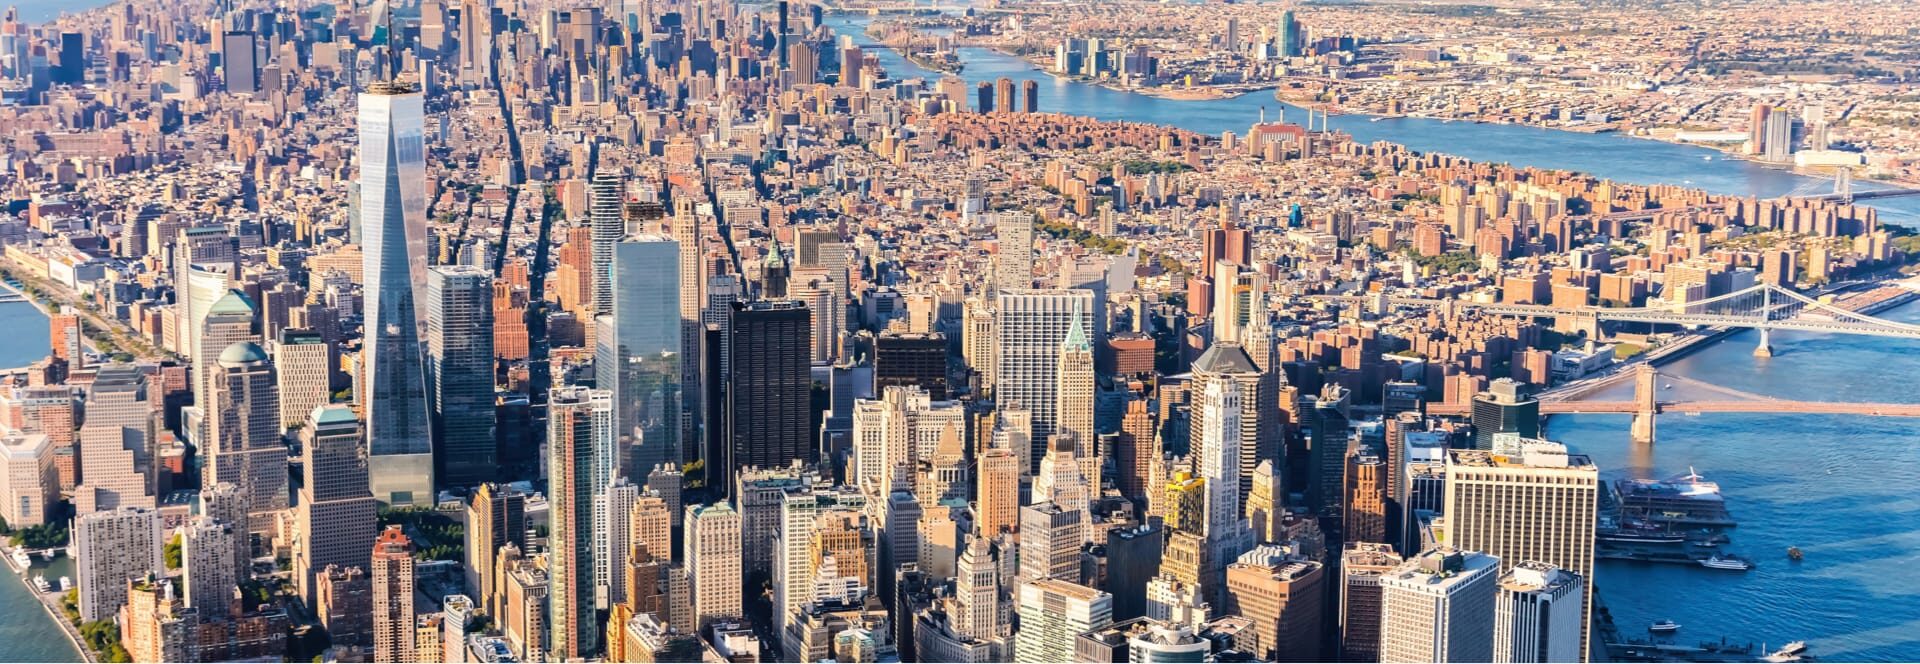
(66, 628)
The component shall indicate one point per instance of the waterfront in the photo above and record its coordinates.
(1605, 155)
(1837, 487)
(27, 630)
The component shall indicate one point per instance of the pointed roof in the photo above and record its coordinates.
(234, 302)
(1225, 357)
(1076, 332)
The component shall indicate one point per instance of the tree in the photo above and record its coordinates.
(171, 552)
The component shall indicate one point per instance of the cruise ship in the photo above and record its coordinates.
(1686, 501)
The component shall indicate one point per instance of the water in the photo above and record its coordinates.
(1840, 488)
(44, 11)
(27, 336)
(28, 633)
(1611, 156)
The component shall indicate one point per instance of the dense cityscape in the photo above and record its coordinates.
(704, 331)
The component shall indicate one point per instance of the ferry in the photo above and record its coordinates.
(1664, 627)
(1688, 501)
(1641, 536)
(1792, 652)
(1732, 563)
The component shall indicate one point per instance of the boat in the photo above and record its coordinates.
(1664, 627)
(1641, 536)
(1733, 563)
(66, 583)
(1687, 501)
(21, 559)
(1794, 554)
(1792, 652)
(40, 584)
(1707, 158)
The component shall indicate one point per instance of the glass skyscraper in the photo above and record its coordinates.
(638, 354)
(393, 208)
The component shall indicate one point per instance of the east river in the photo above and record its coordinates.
(1841, 489)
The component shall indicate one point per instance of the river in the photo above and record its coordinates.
(1839, 488)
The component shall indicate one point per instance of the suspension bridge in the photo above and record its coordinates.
(1650, 389)
(1764, 307)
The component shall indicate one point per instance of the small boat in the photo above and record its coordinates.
(1376, 119)
(1707, 158)
(1792, 652)
(21, 559)
(1664, 627)
(66, 583)
(1793, 553)
(1733, 563)
(40, 584)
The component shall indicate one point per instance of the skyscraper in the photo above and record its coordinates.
(578, 421)
(1528, 500)
(496, 516)
(1362, 565)
(459, 336)
(246, 448)
(116, 442)
(1537, 615)
(302, 364)
(393, 224)
(609, 225)
(1258, 424)
(1283, 593)
(1074, 389)
(769, 392)
(1052, 613)
(1013, 263)
(238, 63)
(68, 339)
(712, 558)
(211, 573)
(110, 547)
(336, 510)
(393, 617)
(1034, 324)
(638, 354)
(1216, 449)
(1504, 408)
(1438, 607)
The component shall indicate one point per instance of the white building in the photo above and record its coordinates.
(1033, 327)
(1537, 615)
(109, 548)
(29, 482)
(1438, 607)
(1052, 614)
(713, 560)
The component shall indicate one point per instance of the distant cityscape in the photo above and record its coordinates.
(703, 331)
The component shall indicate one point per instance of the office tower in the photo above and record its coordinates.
(1052, 613)
(979, 341)
(1526, 501)
(1365, 511)
(1062, 479)
(393, 633)
(211, 574)
(1031, 100)
(29, 482)
(302, 365)
(911, 359)
(1331, 437)
(1134, 452)
(1050, 539)
(1283, 594)
(578, 421)
(1073, 395)
(336, 511)
(110, 547)
(1537, 615)
(393, 225)
(1257, 423)
(246, 449)
(687, 236)
(459, 338)
(496, 516)
(1289, 35)
(638, 357)
(239, 64)
(896, 434)
(976, 592)
(998, 491)
(1361, 566)
(1504, 408)
(1438, 607)
(1013, 262)
(68, 339)
(1133, 558)
(712, 558)
(455, 612)
(225, 321)
(770, 389)
(1239, 302)
(1266, 505)
(1216, 450)
(612, 540)
(851, 62)
(524, 604)
(608, 227)
(1034, 324)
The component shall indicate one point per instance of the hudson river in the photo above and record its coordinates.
(1839, 488)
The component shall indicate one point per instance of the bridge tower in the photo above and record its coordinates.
(1765, 349)
(1646, 399)
(1843, 185)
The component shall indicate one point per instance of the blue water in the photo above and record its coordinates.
(1610, 156)
(43, 11)
(27, 336)
(27, 632)
(1839, 488)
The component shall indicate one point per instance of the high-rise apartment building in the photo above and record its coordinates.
(211, 574)
(393, 616)
(68, 338)
(459, 340)
(109, 548)
(609, 225)
(336, 511)
(579, 421)
(393, 227)
(1438, 607)
(1013, 262)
